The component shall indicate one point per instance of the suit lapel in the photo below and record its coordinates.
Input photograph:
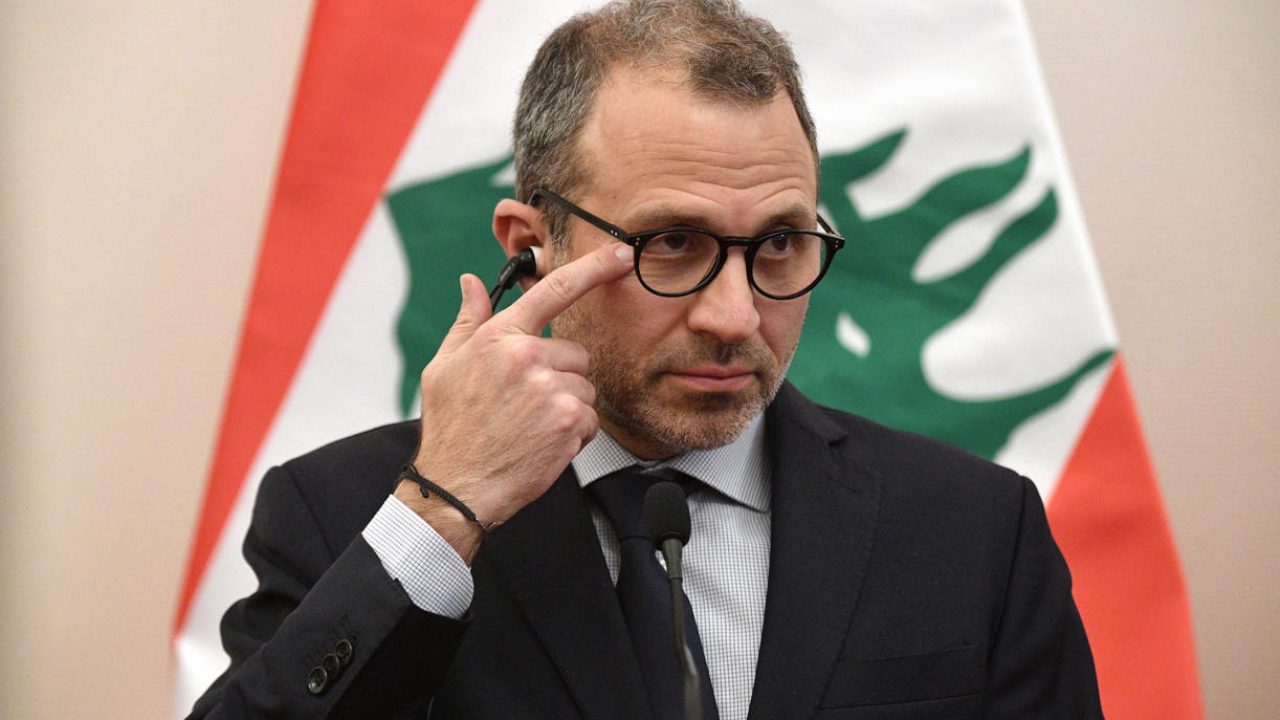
(823, 522)
(549, 557)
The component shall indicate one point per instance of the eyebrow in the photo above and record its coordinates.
(660, 216)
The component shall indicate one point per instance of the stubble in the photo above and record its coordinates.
(635, 395)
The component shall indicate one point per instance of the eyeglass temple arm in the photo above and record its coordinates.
(600, 223)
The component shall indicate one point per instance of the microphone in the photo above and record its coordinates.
(666, 515)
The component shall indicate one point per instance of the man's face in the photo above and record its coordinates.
(674, 374)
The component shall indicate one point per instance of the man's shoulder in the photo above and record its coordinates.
(888, 444)
(911, 463)
(929, 488)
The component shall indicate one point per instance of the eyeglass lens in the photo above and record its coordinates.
(783, 264)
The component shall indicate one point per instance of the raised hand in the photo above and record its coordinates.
(503, 409)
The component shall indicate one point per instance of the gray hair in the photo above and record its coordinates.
(726, 55)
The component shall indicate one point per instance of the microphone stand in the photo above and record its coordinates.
(666, 514)
(672, 552)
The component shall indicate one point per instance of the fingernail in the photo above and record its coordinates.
(624, 252)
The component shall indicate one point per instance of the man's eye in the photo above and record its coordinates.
(670, 243)
(777, 245)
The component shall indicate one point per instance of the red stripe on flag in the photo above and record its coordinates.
(1108, 517)
(368, 70)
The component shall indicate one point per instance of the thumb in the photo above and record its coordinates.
(473, 313)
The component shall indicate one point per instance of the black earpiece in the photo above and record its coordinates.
(522, 264)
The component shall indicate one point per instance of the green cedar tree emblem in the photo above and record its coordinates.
(443, 226)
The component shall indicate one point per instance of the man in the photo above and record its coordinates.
(836, 568)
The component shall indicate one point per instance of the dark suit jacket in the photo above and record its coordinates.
(907, 580)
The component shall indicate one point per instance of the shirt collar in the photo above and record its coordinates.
(739, 470)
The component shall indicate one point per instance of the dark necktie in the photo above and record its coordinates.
(645, 594)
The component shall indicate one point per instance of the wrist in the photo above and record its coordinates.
(429, 488)
(463, 535)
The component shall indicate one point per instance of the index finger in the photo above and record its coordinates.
(562, 287)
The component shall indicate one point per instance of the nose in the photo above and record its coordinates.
(726, 308)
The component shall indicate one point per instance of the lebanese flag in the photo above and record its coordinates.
(967, 305)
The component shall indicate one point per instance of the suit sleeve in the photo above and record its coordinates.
(328, 633)
(1041, 666)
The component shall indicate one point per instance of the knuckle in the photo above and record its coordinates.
(540, 381)
(584, 390)
(583, 432)
(462, 322)
(567, 406)
(566, 409)
(429, 374)
(465, 324)
(588, 426)
(526, 352)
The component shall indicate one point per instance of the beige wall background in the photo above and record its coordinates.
(138, 142)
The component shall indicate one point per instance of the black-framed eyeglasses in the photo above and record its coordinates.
(681, 260)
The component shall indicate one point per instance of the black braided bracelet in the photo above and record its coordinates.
(427, 487)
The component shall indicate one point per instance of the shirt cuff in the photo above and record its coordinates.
(425, 564)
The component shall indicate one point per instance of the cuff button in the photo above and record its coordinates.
(330, 664)
(344, 651)
(317, 680)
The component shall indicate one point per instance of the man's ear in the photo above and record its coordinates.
(518, 226)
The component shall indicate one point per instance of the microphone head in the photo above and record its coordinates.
(666, 513)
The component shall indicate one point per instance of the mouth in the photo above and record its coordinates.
(713, 378)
